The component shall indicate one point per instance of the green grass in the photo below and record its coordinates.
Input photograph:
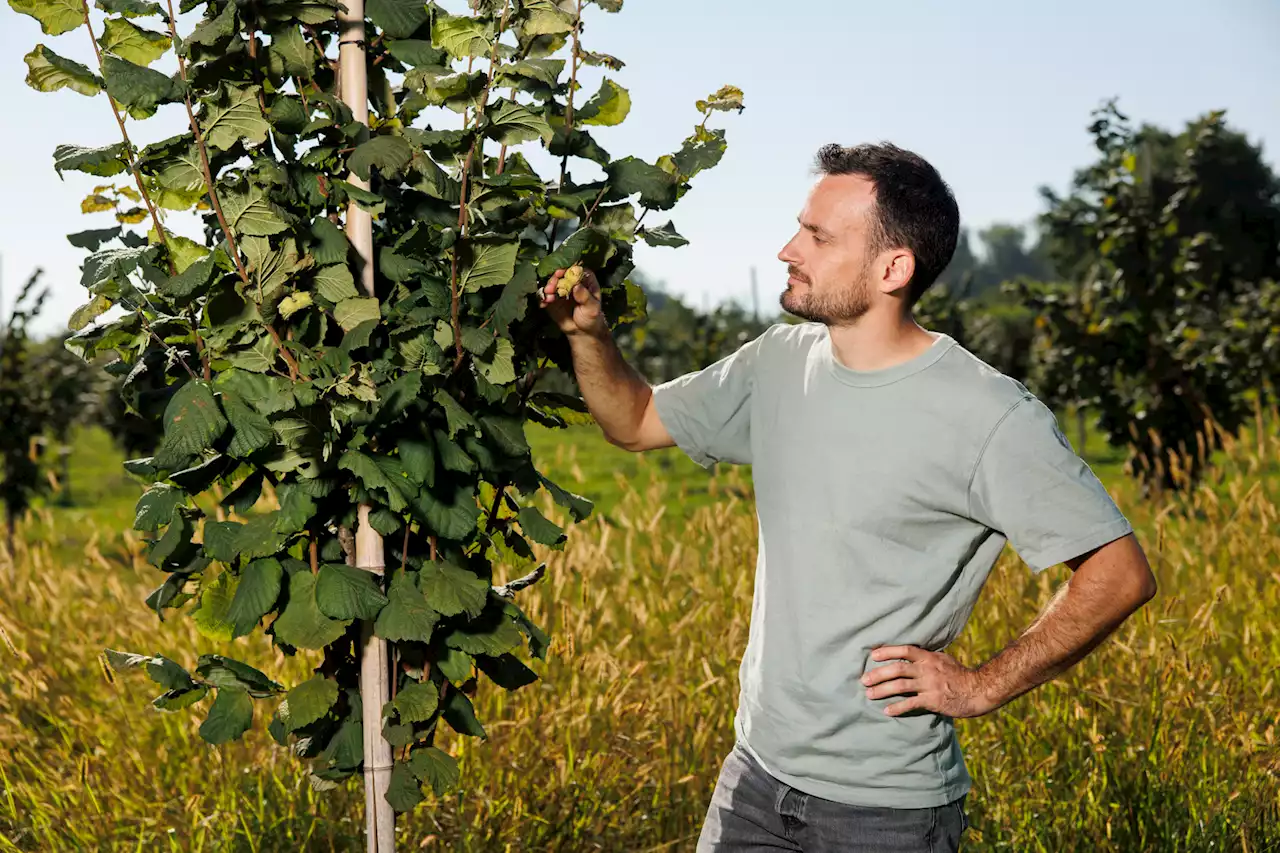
(1165, 739)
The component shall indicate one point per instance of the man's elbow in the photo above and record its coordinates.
(616, 442)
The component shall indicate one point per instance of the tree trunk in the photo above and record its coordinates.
(375, 674)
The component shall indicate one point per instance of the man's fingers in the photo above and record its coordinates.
(897, 687)
(898, 708)
(884, 673)
(911, 653)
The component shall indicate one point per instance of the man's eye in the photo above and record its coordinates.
(818, 239)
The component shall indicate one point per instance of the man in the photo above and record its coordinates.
(890, 467)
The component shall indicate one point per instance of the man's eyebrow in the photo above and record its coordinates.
(816, 228)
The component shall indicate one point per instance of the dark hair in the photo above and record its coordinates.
(914, 207)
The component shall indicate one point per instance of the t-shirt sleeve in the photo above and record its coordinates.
(1031, 486)
(708, 411)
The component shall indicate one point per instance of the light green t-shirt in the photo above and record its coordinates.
(883, 499)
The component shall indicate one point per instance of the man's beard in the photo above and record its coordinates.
(839, 309)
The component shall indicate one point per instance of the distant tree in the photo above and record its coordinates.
(23, 408)
(1171, 243)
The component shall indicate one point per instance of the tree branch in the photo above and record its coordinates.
(213, 195)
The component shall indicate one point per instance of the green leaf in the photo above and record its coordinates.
(48, 72)
(454, 665)
(128, 8)
(452, 590)
(103, 162)
(397, 18)
(308, 702)
(541, 71)
(233, 116)
(725, 98)
(157, 506)
(513, 303)
(595, 60)
(419, 460)
(578, 506)
(507, 671)
(369, 202)
(330, 247)
(406, 615)
(258, 358)
(303, 624)
(452, 456)
(291, 55)
(129, 41)
(507, 433)
(499, 369)
(512, 124)
(176, 700)
(267, 394)
(417, 702)
(435, 767)
(403, 791)
(700, 151)
(183, 251)
(544, 18)
(88, 312)
(488, 263)
(389, 153)
(454, 518)
(457, 417)
(296, 509)
(140, 89)
(344, 592)
(215, 602)
(461, 37)
(226, 672)
(255, 596)
(230, 716)
(665, 235)
(252, 430)
(586, 246)
(55, 16)
(192, 420)
(249, 212)
(461, 715)
(538, 528)
(93, 238)
(414, 52)
(380, 472)
(346, 749)
(608, 107)
(335, 283)
(211, 32)
(491, 634)
(631, 175)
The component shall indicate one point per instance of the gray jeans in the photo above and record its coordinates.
(752, 812)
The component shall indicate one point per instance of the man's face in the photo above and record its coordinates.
(829, 260)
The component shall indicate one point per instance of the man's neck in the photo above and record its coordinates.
(872, 344)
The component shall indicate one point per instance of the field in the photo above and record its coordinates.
(1164, 739)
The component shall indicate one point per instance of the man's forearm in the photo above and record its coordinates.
(1081, 614)
(614, 392)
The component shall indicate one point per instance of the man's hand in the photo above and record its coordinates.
(580, 312)
(940, 682)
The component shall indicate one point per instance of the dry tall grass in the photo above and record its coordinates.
(1164, 739)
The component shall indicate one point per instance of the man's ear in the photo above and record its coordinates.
(896, 268)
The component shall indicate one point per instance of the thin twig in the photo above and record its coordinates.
(462, 198)
(213, 195)
(128, 145)
(568, 120)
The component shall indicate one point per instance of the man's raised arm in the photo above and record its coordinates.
(618, 397)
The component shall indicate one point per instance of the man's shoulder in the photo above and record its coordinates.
(792, 337)
(983, 389)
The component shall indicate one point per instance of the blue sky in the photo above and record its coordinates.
(996, 94)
